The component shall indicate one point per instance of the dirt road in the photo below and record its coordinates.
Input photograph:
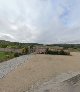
(69, 85)
(39, 69)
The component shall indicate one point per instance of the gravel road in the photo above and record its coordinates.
(7, 66)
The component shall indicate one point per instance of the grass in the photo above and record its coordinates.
(4, 56)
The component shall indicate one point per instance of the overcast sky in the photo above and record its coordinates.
(42, 21)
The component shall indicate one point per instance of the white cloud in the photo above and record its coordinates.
(44, 21)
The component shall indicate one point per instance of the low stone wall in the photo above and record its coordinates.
(10, 50)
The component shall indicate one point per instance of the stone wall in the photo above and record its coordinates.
(11, 50)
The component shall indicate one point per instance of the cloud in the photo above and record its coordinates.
(43, 21)
(7, 37)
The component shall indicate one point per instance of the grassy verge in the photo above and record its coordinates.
(4, 56)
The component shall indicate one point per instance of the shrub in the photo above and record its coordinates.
(58, 52)
(52, 52)
(61, 52)
(67, 52)
(16, 54)
(25, 50)
(7, 56)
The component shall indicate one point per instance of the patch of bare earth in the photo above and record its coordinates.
(39, 69)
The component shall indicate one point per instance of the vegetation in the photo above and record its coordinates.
(26, 46)
(16, 54)
(25, 50)
(6, 56)
(58, 52)
(71, 47)
(8, 44)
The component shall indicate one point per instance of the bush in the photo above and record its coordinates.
(67, 53)
(61, 52)
(7, 56)
(52, 52)
(16, 54)
(58, 52)
(25, 50)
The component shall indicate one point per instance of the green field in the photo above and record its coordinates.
(4, 56)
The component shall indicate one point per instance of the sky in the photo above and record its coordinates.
(40, 21)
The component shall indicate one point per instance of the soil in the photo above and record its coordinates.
(39, 69)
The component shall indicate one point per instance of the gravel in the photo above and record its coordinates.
(8, 66)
